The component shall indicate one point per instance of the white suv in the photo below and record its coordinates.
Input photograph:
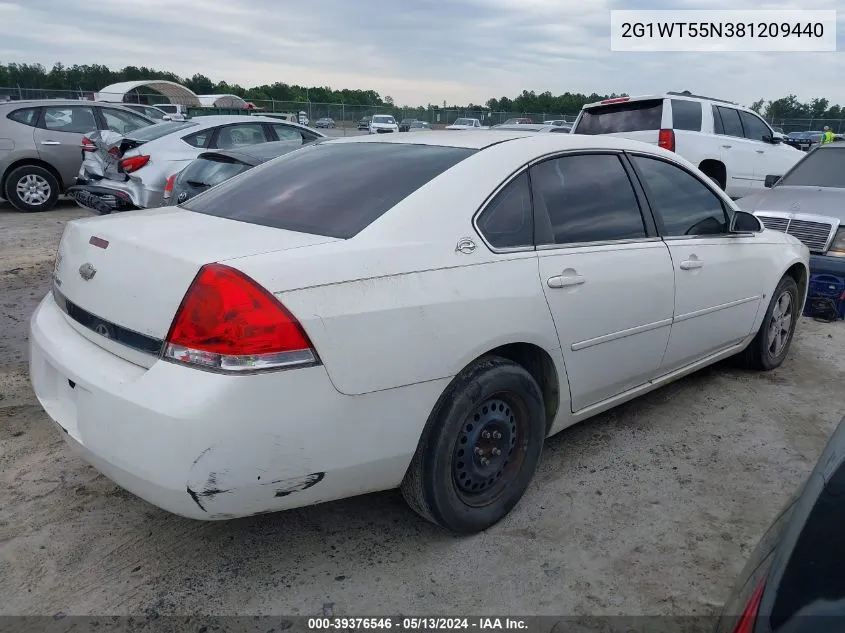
(731, 144)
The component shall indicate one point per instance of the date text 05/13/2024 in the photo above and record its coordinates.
(405, 623)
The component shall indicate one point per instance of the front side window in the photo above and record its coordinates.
(288, 133)
(74, 119)
(507, 221)
(586, 198)
(753, 127)
(686, 205)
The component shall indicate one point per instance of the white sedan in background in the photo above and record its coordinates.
(383, 124)
(423, 323)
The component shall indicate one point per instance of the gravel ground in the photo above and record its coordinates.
(651, 508)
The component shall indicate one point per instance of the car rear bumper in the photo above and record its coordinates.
(103, 200)
(825, 264)
(139, 195)
(208, 446)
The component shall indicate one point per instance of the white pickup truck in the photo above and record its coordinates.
(467, 124)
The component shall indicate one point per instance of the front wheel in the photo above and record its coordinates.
(770, 346)
(32, 188)
(480, 447)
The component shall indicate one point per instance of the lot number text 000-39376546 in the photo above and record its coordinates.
(723, 30)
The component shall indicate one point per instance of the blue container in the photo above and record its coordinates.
(826, 287)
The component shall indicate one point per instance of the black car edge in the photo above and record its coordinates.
(794, 581)
(405, 124)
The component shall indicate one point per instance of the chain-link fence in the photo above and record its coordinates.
(808, 125)
(344, 115)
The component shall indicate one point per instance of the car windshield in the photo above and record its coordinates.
(290, 192)
(824, 167)
(152, 132)
(383, 119)
(464, 122)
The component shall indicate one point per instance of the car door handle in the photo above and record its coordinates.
(760, 151)
(727, 146)
(691, 264)
(50, 143)
(564, 281)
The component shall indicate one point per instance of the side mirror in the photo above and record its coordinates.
(771, 181)
(774, 139)
(744, 222)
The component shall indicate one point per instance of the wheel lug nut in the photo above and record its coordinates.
(486, 435)
(478, 451)
(496, 451)
(484, 461)
(497, 435)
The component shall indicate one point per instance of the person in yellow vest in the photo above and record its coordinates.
(827, 137)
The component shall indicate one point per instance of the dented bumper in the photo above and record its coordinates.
(209, 446)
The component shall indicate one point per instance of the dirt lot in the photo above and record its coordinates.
(649, 509)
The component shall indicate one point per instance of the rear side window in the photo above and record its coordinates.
(198, 139)
(731, 125)
(686, 115)
(507, 221)
(27, 116)
(585, 198)
(153, 132)
(631, 116)
(291, 192)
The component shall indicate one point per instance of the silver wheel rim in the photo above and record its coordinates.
(780, 325)
(33, 190)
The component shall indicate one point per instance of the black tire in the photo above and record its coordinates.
(44, 181)
(447, 482)
(763, 354)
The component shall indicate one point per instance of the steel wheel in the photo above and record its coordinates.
(484, 461)
(33, 190)
(780, 324)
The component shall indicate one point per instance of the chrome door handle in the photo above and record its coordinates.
(690, 264)
(727, 146)
(760, 151)
(50, 143)
(564, 281)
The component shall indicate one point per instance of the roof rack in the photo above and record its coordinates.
(687, 93)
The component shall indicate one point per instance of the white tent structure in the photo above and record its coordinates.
(222, 101)
(175, 93)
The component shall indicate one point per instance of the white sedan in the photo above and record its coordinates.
(312, 330)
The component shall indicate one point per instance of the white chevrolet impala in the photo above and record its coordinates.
(397, 311)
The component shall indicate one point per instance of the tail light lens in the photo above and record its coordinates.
(229, 323)
(88, 145)
(133, 163)
(749, 613)
(168, 187)
(666, 139)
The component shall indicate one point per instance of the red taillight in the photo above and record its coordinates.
(227, 322)
(749, 614)
(617, 100)
(168, 187)
(133, 163)
(666, 139)
(88, 145)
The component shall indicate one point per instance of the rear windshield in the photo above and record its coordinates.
(632, 116)
(152, 132)
(821, 168)
(321, 189)
(210, 171)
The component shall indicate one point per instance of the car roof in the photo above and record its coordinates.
(481, 139)
(34, 103)
(663, 95)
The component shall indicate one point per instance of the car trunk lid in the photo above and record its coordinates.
(123, 277)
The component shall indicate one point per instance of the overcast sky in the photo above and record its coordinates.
(417, 51)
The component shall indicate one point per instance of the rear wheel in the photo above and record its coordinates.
(770, 346)
(31, 188)
(479, 449)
